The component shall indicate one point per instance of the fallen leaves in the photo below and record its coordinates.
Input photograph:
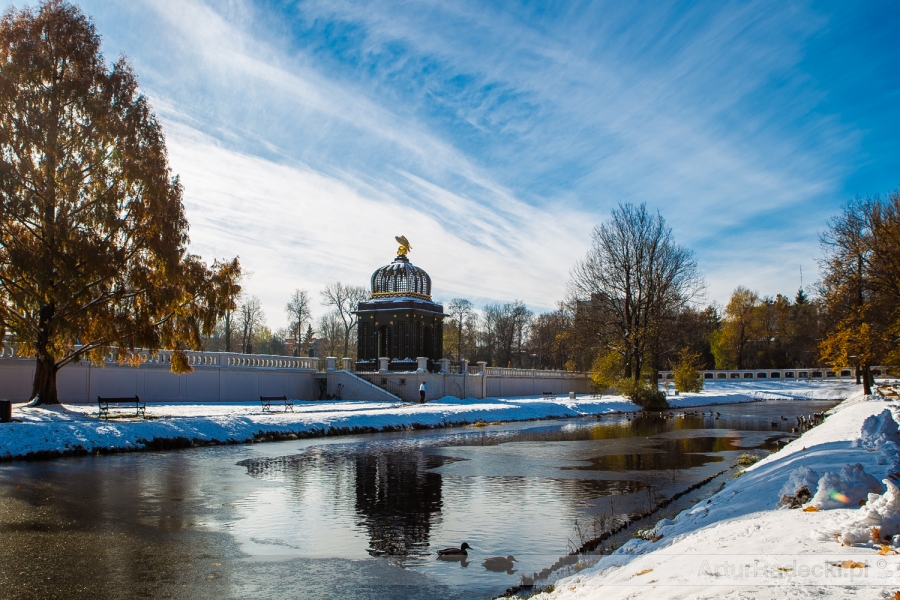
(886, 550)
(811, 509)
(851, 564)
(644, 572)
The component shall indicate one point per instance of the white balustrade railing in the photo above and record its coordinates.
(504, 372)
(195, 359)
(804, 373)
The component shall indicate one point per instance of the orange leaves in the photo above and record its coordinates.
(100, 255)
(811, 509)
(885, 550)
(850, 564)
(644, 572)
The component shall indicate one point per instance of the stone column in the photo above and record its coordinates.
(383, 363)
(445, 365)
(347, 362)
(482, 365)
(423, 364)
(464, 366)
(330, 363)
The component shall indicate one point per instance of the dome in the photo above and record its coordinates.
(401, 279)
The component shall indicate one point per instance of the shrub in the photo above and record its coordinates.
(687, 372)
(606, 370)
(644, 394)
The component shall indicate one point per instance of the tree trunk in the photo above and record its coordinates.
(228, 331)
(867, 380)
(43, 389)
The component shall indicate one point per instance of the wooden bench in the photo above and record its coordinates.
(550, 395)
(267, 401)
(140, 408)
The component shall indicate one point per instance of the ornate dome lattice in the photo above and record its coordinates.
(401, 278)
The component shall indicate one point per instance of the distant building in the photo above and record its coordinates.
(399, 321)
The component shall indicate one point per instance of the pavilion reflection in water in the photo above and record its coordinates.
(398, 497)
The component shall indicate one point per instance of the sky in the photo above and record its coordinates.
(496, 136)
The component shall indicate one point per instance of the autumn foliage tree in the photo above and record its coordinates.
(861, 285)
(93, 235)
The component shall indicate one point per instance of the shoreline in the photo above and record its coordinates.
(61, 431)
(737, 543)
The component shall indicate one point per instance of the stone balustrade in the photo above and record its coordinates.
(195, 359)
(504, 372)
(800, 374)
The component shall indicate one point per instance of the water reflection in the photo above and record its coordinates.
(397, 497)
(680, 453)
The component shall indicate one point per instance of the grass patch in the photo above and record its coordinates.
(746, 459)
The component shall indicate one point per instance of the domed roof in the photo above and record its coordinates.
(401, 279)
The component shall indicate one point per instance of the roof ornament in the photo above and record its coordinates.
(404, 245)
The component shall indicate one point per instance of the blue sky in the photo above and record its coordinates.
(496, 135)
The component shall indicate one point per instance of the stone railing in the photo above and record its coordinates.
(504, 372)
(195, 359)
(804, 374)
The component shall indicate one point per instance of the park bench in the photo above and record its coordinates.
(267, 401)
(550, 395)
(140, 408)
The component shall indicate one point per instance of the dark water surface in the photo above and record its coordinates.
(353, 517)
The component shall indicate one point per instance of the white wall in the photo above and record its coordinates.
(510, 385)
(82, 383)
(221, 377)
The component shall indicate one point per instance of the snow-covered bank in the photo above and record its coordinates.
(740, 544)
(75, 428)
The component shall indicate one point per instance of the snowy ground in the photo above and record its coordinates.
(738, 544)
(63, 429)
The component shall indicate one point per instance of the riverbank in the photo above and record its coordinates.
(68, 430)
(740, 544)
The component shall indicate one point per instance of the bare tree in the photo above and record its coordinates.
(330, 330)
(633, 278)
(298, 313)
(504, 331)
(250, 317)
(461, 313)
(344, 299)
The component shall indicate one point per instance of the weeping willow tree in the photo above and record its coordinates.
(93, 235)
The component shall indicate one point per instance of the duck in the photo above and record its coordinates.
(461, 551)
(498, 564)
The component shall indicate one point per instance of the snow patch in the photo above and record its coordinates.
(881, 512)
(800, 477)
(845, 489)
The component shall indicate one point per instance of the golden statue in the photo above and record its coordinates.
(404, 245)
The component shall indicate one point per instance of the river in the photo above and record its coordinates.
(362, 516)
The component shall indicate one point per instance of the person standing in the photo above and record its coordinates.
(422, 393)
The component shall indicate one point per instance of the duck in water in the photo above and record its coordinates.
(455, 552)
